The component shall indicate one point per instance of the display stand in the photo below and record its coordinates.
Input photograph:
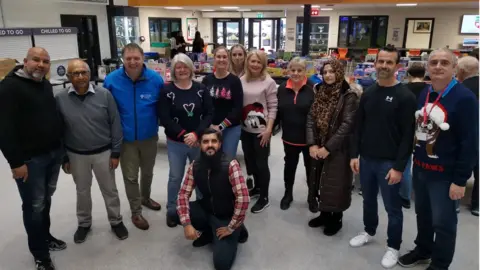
(62, 45)
(15, 42)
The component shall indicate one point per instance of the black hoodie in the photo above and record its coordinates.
(30, 124)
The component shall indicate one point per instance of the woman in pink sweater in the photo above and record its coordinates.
(258, 117)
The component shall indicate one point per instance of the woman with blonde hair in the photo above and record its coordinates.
(330, 125)
(227, 94)
(185, 110)
(237, 60)
(295, 98)
(258, 118)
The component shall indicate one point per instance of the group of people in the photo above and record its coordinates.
(339, 131)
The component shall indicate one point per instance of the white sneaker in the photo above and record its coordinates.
(361, 239)
(390, 258)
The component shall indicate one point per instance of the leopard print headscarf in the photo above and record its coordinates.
(326, 99)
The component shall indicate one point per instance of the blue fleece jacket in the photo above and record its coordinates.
(137, 102)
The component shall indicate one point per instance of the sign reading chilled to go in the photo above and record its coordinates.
(314, 12)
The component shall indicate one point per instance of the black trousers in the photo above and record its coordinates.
(256, 160)
(292, 154)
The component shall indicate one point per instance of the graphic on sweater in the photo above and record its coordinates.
(253, 116)
(171, 96)
(189, 109)
(201, 116)
(212, 91)
(200, 93)
(222, 93)
(428, 131)
(175, 119)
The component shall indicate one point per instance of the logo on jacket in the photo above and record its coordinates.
(253, 116)
(428, 131)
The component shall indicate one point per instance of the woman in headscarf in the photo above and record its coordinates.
(330, 126)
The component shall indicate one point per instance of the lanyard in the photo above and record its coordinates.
(444, 91)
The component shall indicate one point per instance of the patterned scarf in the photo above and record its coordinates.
(326, 99)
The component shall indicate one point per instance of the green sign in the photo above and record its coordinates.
(259, 15)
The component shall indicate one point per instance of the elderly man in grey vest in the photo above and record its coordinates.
(93, 137)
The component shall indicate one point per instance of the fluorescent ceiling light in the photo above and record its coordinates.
(407, 5)
(207, 10)
(229, 7)
(245, 9)
(326, 9)
(173, 7)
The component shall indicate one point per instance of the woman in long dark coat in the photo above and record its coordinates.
(329, 130)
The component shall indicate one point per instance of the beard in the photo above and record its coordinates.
(210, 162)
(384, 73)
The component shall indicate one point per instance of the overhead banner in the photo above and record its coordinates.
(12, 32)
(54, 30)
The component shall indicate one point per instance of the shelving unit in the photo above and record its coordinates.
(318, 34)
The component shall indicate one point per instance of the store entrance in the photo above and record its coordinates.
(264, 34)
(226, 32)
(87, 38)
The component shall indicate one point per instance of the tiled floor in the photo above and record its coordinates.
(279, 240)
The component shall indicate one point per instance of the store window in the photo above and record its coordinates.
(160, 29)
(227, 32)
(318, 34)
(362, 31)
(126, 31)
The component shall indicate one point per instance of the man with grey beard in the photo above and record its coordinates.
(30, 140)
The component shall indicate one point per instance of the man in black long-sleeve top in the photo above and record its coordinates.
(384, 141)
(30, 140)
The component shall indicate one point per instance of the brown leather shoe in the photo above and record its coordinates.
(151, 204)
(140, 222)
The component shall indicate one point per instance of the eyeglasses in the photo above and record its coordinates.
(78, 73)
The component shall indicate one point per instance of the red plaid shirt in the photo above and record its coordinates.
(242, 199)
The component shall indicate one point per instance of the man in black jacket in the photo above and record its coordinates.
(467, 73)
(218, 217)
(30, 140)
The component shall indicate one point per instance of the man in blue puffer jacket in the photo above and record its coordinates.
(136, 90)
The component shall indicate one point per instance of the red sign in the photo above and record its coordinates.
(315, 12)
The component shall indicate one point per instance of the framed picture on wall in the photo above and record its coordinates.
(422, 26)
(192, 27)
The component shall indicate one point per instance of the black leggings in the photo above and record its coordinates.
(256, 160)
(291, 158)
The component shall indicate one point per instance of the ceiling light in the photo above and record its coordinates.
(326, 9)
(173, 7)
(407, 5)
(244, 10)
(207, 10)
(229, 7)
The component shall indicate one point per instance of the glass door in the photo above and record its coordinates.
(226, 32)
(160, 29)
(264, 34)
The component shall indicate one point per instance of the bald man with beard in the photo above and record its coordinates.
(30, 140)
(93, 137)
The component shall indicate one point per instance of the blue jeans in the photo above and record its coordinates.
(406, 184)
(36, 193)
(177, 160)
(224, 250)
(372, 178)
(436, 219)
(231, 138)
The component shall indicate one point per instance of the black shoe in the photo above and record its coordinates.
(203, 240)
(406, 203)
(250, 182)
(81, 234)
(55, 244)
(474, 211)
(172, 221)
(243, 235)
(413, 258)
(333, 224)
(313, 204)
(44, 265)
(260, 205)
(254, 193)
(286, 200)
(120, 231)
(320, 220)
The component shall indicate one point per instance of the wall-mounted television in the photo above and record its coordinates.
(470, 24)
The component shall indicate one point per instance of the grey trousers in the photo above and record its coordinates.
(138, 156)
(81, 167)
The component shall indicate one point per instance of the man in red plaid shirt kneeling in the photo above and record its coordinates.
(219, 216)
